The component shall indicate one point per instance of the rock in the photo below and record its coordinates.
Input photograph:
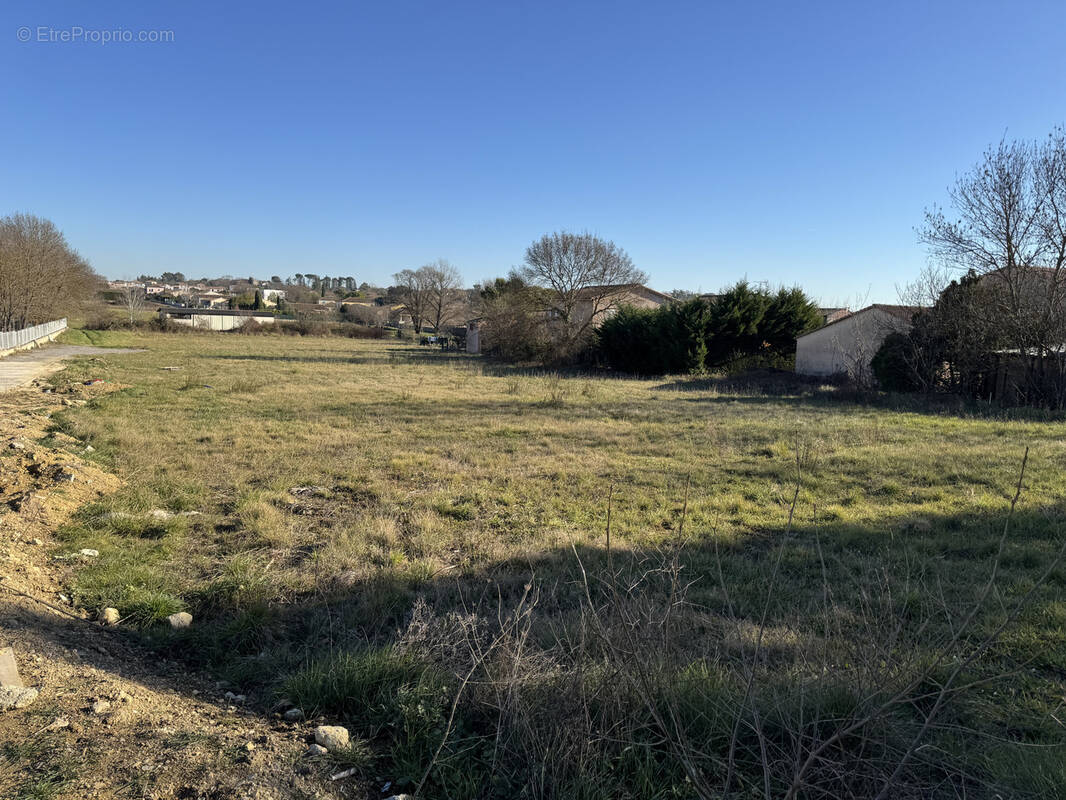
(36, 542)
(294, 715)
(9, 671)
(401, 797)
(331, 737)
(183, 619)
(109, 616)
(159, 514)
(100, 707)
(88, 552)
(235, 698)
(249, 746)
(90, 449)
(17, 697)
(315, 750)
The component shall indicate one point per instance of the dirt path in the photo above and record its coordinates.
(21, 368)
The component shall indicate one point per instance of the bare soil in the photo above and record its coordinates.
(159, 732)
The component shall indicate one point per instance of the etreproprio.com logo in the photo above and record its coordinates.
(76, 34)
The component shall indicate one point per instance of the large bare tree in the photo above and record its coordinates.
(445, 293)
(413, 290)
(41, 276)
(1008, 229)
(585, 275)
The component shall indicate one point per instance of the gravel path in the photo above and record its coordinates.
(21, 368)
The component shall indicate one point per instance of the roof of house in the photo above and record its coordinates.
(900, 312)
(599, 290)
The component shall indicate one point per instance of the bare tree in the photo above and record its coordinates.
(586, 276)
(445, 293)
(133, 301)
(412, 286)
(1009, 231)
(41, 276)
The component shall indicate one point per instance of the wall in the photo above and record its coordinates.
(24, 339)
(220, 322)
(847, 346)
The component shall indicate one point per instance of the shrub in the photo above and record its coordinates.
(892, 364)
(744, 328)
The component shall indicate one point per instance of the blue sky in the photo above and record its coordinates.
(796, 143)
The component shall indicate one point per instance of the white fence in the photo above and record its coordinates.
(14, 340)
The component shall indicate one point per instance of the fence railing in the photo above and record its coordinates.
(10, 340)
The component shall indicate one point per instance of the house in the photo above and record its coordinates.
(399, 316)
(212, 300)
(600, 303)
(833, 314)
(848, 344)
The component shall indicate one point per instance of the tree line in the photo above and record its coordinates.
(41, 276)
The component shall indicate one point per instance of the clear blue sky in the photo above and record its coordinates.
(788, 142)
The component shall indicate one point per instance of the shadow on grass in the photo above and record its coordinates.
(337, 646)
(786, 388)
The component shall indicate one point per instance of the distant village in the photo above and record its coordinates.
(325, 298)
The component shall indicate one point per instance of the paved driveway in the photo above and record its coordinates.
(21, 368)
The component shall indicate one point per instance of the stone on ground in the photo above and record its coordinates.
(183, 619)
(16, 697)
(331, 737)
(109, 616)
(9, 671)
(294, 715)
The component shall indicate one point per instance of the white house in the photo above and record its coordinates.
(847, 345)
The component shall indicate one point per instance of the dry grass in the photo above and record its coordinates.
(341, 481)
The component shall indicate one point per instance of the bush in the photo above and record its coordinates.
(744, 328)
(892, 364)
(655, 341)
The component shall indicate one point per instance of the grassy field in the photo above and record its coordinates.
(795, 592)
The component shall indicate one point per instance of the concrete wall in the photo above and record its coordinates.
(846, 346)
(220, 322)
(12, 341)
